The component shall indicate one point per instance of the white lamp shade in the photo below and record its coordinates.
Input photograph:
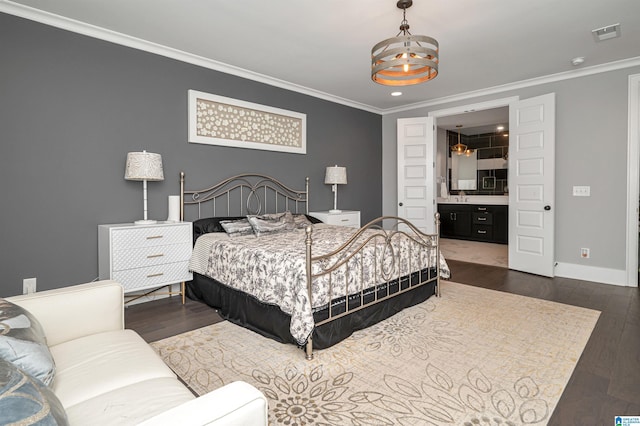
(336, 175)
(144, 166)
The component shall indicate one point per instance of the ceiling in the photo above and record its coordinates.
(323, 47)
(476, 122)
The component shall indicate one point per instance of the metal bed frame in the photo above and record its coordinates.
(250, 194)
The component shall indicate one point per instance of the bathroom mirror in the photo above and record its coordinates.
(464, 171)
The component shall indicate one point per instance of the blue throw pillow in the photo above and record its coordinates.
(23, 343)
(25, 400)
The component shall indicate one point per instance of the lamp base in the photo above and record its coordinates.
(145, 222)
(335, 211)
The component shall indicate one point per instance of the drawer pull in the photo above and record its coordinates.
(151, 256)
(480, 231)
(154, 237)
(344, 220)
(482, 218)
(482, 209)
(155, 275)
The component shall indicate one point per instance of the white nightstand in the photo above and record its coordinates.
(346, 218)
(143, 257)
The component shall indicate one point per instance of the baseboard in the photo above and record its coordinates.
(591, 273)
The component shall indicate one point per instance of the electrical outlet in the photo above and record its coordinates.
(28, 285)
(584, 253)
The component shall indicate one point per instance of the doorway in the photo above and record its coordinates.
(474, 120)
(531, 161)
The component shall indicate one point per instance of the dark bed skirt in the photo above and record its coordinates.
(268, 320)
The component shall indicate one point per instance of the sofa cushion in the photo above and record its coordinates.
(26, 400)
(131, 404)
(22, 342)
(100, 363)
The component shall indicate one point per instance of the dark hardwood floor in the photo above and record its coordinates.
(604, 384)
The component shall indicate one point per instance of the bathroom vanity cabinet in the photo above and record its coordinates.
(488, 223)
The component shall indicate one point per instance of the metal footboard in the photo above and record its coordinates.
(388, 266)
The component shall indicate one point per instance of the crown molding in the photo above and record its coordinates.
(551, 78)
(83, 28)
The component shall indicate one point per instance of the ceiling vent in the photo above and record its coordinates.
(606, 33)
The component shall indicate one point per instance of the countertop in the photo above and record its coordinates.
(475, 199)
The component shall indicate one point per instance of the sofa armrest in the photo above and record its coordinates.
(76, 311)
(237, 403)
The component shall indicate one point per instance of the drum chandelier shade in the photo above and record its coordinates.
(405, 59)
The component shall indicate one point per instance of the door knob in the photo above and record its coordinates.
(547, 208)
(400, 204)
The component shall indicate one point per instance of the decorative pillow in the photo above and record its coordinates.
(312, 219)
(25, 400)
(274, 222)
(23, 343)
(301, 221)
(237, 228)
(210, 224)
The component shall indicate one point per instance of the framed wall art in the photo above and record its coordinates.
(217, 120)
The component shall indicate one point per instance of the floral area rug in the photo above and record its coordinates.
(471, 357)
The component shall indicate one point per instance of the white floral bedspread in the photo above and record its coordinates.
(272, 269)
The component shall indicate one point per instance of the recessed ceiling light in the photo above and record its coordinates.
(577, 61)
(606, 33)
(396, 93)
(500, 128)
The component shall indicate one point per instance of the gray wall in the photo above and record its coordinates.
(591, 149)
(71, 107)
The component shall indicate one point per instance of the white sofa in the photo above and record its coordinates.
(107, 375)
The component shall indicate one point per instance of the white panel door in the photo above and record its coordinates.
(416, 171)
(531, 185)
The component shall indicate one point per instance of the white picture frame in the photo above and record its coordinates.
(218, 120)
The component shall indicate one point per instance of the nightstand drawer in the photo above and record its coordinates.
(345, 218)
(147, 256)
(152, 276)
(142, 257)
(150, 236)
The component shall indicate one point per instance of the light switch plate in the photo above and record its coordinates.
(581, 191)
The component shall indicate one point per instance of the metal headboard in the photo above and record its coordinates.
(244, 194)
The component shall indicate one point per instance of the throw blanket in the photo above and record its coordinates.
(272, 268)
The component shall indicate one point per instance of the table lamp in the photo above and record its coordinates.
(335, 176)
(144, 166)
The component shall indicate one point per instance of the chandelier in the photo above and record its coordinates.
(461, 148)
(404, 59)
